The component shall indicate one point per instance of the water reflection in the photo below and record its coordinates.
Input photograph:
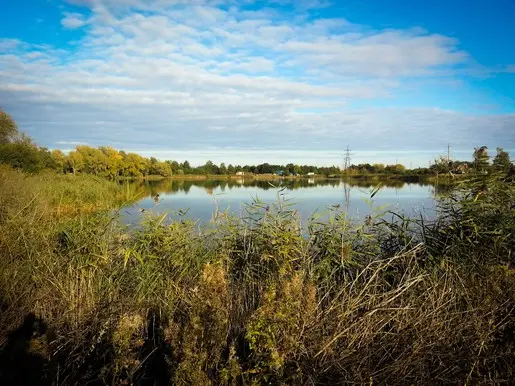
(169, 186)
(201, 196)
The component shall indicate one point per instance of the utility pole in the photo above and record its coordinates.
(448, 153)
(346, 160)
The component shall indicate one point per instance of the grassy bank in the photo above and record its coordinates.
(252, 301)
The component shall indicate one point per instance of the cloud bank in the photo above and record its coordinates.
(228, 76)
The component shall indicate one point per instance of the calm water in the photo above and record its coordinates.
(200, 198)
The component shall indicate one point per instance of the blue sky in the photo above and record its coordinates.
(253, 81)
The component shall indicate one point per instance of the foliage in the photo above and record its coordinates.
(258, 299)
(8, 128)
(502, 160)
(23, 154)
(481, 159)
(111, 163)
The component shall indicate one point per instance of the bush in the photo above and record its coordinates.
(256, 299)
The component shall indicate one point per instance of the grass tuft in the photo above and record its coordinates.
(258, 299)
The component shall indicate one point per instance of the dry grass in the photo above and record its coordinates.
(254, 301)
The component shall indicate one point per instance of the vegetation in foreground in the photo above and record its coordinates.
(252, 300)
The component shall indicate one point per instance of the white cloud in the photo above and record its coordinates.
(394, 54)
(73, 20)
(195, 75)
(7, 45)
(74, 143)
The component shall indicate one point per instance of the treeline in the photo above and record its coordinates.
(481, 163)
(19, 151)
(367, 168)
(107, 162)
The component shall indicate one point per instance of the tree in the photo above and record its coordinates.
(8, 128)
(59, 159)
(186, 168)
(95, 161)
(502, 160)
(481, 158)
(153, 169)
(209, 168)
(76, 161)
(399, 168)
(223, 168)
(162, 169)
(134, 165)
(442, 165)
(378, 168)
(174, 165)
(22, 155)
(113, 161)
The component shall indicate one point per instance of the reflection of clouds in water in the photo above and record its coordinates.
(306, 196)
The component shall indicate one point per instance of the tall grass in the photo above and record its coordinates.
(254, 300)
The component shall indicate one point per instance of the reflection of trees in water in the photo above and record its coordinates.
(151, 188)
(372, 183)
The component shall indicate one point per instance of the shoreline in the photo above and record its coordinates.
(271, 177)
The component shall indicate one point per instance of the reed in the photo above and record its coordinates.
(259, 299)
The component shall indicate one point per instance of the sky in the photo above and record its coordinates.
(253, 81)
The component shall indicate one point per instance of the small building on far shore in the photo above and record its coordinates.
(240, 173)
(310, 174)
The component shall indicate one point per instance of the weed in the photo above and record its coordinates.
(258, 299)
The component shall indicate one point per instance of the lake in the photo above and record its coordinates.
(201, 197)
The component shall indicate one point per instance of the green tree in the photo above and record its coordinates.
(186, 167)
(153, 170)
(223, 168)
(502, 160)
(209, 168)
(481, 158)
(174, 165)
(289, 168)
(162, 169)
(8, 128)
(23, 155)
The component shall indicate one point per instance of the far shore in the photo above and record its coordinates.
(269, 177)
